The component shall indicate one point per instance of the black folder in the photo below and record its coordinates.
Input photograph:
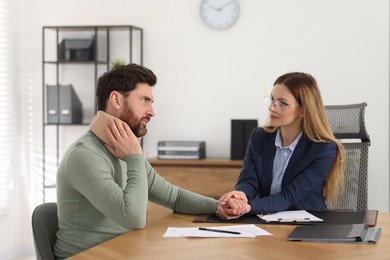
(368, 217)
(353, 233)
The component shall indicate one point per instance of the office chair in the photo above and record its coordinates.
(348, 125)
(45, 227)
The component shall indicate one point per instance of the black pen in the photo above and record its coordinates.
(220, 230)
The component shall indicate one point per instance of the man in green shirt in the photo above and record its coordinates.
(103, 187)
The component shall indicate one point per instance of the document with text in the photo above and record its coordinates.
(217, 231)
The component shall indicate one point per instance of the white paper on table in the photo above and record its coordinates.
(245, 230)
(290, 216)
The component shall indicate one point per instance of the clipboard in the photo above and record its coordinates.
(353, 233)
(290, 216)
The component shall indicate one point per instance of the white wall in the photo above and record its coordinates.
(206, 77)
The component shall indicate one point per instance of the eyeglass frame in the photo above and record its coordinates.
(280, 107)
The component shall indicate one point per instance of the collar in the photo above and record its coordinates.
(278, 141)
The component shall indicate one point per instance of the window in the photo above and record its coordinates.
(6, 111)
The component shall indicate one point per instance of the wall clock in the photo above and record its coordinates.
(219, 14)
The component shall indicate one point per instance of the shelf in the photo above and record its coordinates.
(110, 42)
(53, 186)
(76, 62)
(208, 162)
(93, 27)
(79, 124)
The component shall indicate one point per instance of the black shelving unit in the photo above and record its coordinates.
(104, 37)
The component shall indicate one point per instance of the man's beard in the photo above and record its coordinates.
(134, 122)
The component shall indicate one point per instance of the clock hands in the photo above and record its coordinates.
(223, 7)
(220, 8)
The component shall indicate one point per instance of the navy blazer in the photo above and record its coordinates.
(303, 180)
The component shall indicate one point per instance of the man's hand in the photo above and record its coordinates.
(122, 139)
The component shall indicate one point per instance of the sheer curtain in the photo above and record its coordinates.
(7, 124)
(14, 216)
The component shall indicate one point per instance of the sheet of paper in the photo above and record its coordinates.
(290, 216)
(245, 230)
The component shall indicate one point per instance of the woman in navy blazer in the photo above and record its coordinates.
(294, 161)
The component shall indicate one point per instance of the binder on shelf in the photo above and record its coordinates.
(190, 150)
(63, 45)
(52, 104)
(68, 103)
(354, 233)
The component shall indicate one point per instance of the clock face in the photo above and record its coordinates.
(219, 14)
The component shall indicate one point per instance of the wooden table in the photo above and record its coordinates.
(150, 244)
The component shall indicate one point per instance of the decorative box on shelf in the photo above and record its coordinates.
(76, 50)
(189, 150)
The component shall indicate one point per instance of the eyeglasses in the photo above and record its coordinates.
(280, 106)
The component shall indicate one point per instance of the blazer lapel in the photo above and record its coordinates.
(268, 164)
(297, 160)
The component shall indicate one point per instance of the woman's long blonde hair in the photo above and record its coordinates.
(315, 126)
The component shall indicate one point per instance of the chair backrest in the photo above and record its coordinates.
(45, 227)
(348, 125)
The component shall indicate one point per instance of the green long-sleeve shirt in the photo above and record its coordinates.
(100, 197)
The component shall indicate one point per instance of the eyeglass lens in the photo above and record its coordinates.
(269, 102)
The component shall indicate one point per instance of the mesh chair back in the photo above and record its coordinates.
(45, 227)
(347, 121)
(348, 125)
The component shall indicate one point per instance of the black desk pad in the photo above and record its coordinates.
(330, 217)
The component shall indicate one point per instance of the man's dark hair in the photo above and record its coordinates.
(123, 79)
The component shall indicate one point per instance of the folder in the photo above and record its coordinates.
(353, 233)
(368, 217)
(63, 105)
(241, 130)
